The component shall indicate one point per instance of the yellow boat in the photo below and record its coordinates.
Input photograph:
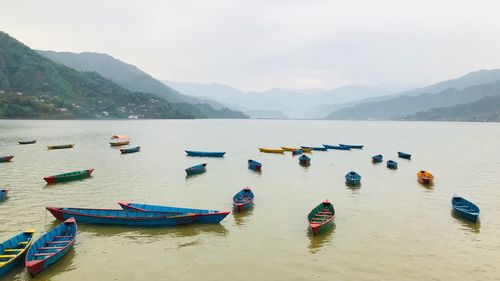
(119, 143)
(287, 148)
(13, 250)
(271, 150)
(307, 150)
(425, 177)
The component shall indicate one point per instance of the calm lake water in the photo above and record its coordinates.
(391, 228)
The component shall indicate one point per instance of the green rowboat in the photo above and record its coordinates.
(321, 217)
(69, 176)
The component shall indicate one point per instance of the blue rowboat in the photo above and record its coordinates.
(338, 147)
(315, 148)
(304, 160)
(353, 146)
(198, 169)
(297, 152)
(130, 150)
(254, 165)
(204, 153)
(377, 158)
(243, 200)
(352, 178)
(3, 193)
(203, 216)
(465, 209)
(27, 142)
(404, 155)
(120, 217)
(51, 247)
(392, 164)
(12, 251)
(6, 158)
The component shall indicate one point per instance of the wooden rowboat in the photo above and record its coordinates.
(352, 178)
(377, 158)
(197, 169)
(465, 208)
(203, 216)
(254, 165)
(321, 217)
(6, 158)
(61, 146)
(27, 142)
(130, 150)
(304, 160)
(12, 251)
(315, 148)
(353, 146)
(404, 155)
(3, 193)
(243, 200)
(271, 150)
(391, 164)
(205, 153)
(51, 247)
(287, 148)
(425, 177)
(119, 143)
(337, 147)
(69, 176)
(121, 217)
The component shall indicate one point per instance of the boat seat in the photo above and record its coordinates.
(63, 236)
(50, 248)
(13, 250)
(23, 243)
(57, 242)
(7, 256)
(44, 254)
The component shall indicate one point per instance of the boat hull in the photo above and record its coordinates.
(119, 143)
(27, 142)
(204, 153)
(321, 218)
(203, 216)
(120, 217)
(352, 146)
(4, 193)
(6, 158)
(243, 200)
(271, 150)
(62, 178)
(314, 148)
(198, 169)
(130, 150)
(404, 155)
(63, 146)
(337, 147)
(465, 209)
(392, 165)
(254, 165)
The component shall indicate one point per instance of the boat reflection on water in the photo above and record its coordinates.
(318, 241)
(141, 234)
(473, 227)
(240, 218)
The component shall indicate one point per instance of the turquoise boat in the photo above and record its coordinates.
(13, 250)
(391, 164)
(465, 208)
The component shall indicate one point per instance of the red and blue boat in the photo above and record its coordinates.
(12, 251)
(243, 200)
(204, 153)
(6, 158)
(197, 169)
(254, 165)
(377, 158)
(78, 175)
(121, 217)
(321, 217)
(203, 216)
(51, 247)
(3, 193)
(130, 150)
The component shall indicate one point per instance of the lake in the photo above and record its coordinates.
(391, 228)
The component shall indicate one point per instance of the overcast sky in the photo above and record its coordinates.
(256, 45)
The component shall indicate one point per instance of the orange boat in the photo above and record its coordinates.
(425, 177)
(271, 150)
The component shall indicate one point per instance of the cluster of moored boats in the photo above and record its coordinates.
(51, 246)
